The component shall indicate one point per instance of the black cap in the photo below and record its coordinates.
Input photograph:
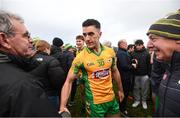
(57, 42)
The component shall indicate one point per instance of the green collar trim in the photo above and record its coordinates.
(91, 51)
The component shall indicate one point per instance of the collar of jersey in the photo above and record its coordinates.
(91, 51)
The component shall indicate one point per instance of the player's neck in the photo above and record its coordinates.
(97, 49)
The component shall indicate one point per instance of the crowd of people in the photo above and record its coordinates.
(39, 79)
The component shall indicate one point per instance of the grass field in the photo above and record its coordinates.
(76, 110)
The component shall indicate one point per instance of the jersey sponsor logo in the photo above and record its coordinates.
(101, 73)
(90, 64)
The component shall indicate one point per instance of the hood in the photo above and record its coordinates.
(55, 49)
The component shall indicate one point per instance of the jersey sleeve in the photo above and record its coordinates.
(76, 65)
(114, 59)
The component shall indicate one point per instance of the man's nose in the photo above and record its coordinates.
(30, 40)
(149, 44)
(87, 38)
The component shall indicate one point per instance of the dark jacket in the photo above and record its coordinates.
(125, 68)
(143, 58)
(20, 94)
(59, 55)
(69, 59)
(169, 90)
(52, 75)
(124, 64)
(157, 72)
(25, 63)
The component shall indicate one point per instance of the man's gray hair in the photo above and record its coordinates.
(121, 41)
(6, 25)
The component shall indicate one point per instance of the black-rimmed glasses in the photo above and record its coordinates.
(25, 35)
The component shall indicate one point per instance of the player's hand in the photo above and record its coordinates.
(121, 96)
(63, 110)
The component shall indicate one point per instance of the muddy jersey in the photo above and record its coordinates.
(96, 72)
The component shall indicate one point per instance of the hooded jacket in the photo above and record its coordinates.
(59, 55)
(143, 58)
(51, 73)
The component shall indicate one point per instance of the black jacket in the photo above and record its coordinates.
(143, 58)
(20, 94)
(59, 55)
(25, 63)
(52, 75)
(169, 90)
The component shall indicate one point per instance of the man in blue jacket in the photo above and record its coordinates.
(126, 68)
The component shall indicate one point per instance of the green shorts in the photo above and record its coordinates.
(102, 110)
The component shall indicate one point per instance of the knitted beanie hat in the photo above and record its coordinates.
(67, 46)
(57, 42)
(168, 27)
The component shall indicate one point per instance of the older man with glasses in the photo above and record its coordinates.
(20, 94)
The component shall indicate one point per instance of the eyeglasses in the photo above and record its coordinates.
(89, 34)
(25, 35)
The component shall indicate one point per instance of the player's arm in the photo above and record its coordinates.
(116, 76)
(66, 90)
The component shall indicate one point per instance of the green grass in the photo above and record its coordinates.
(76, 110)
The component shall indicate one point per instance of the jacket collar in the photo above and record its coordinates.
(122, 49)
(4, 58)
(175, 61)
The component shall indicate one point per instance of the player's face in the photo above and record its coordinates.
(91, 35)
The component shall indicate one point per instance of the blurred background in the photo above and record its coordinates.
(128, 19)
